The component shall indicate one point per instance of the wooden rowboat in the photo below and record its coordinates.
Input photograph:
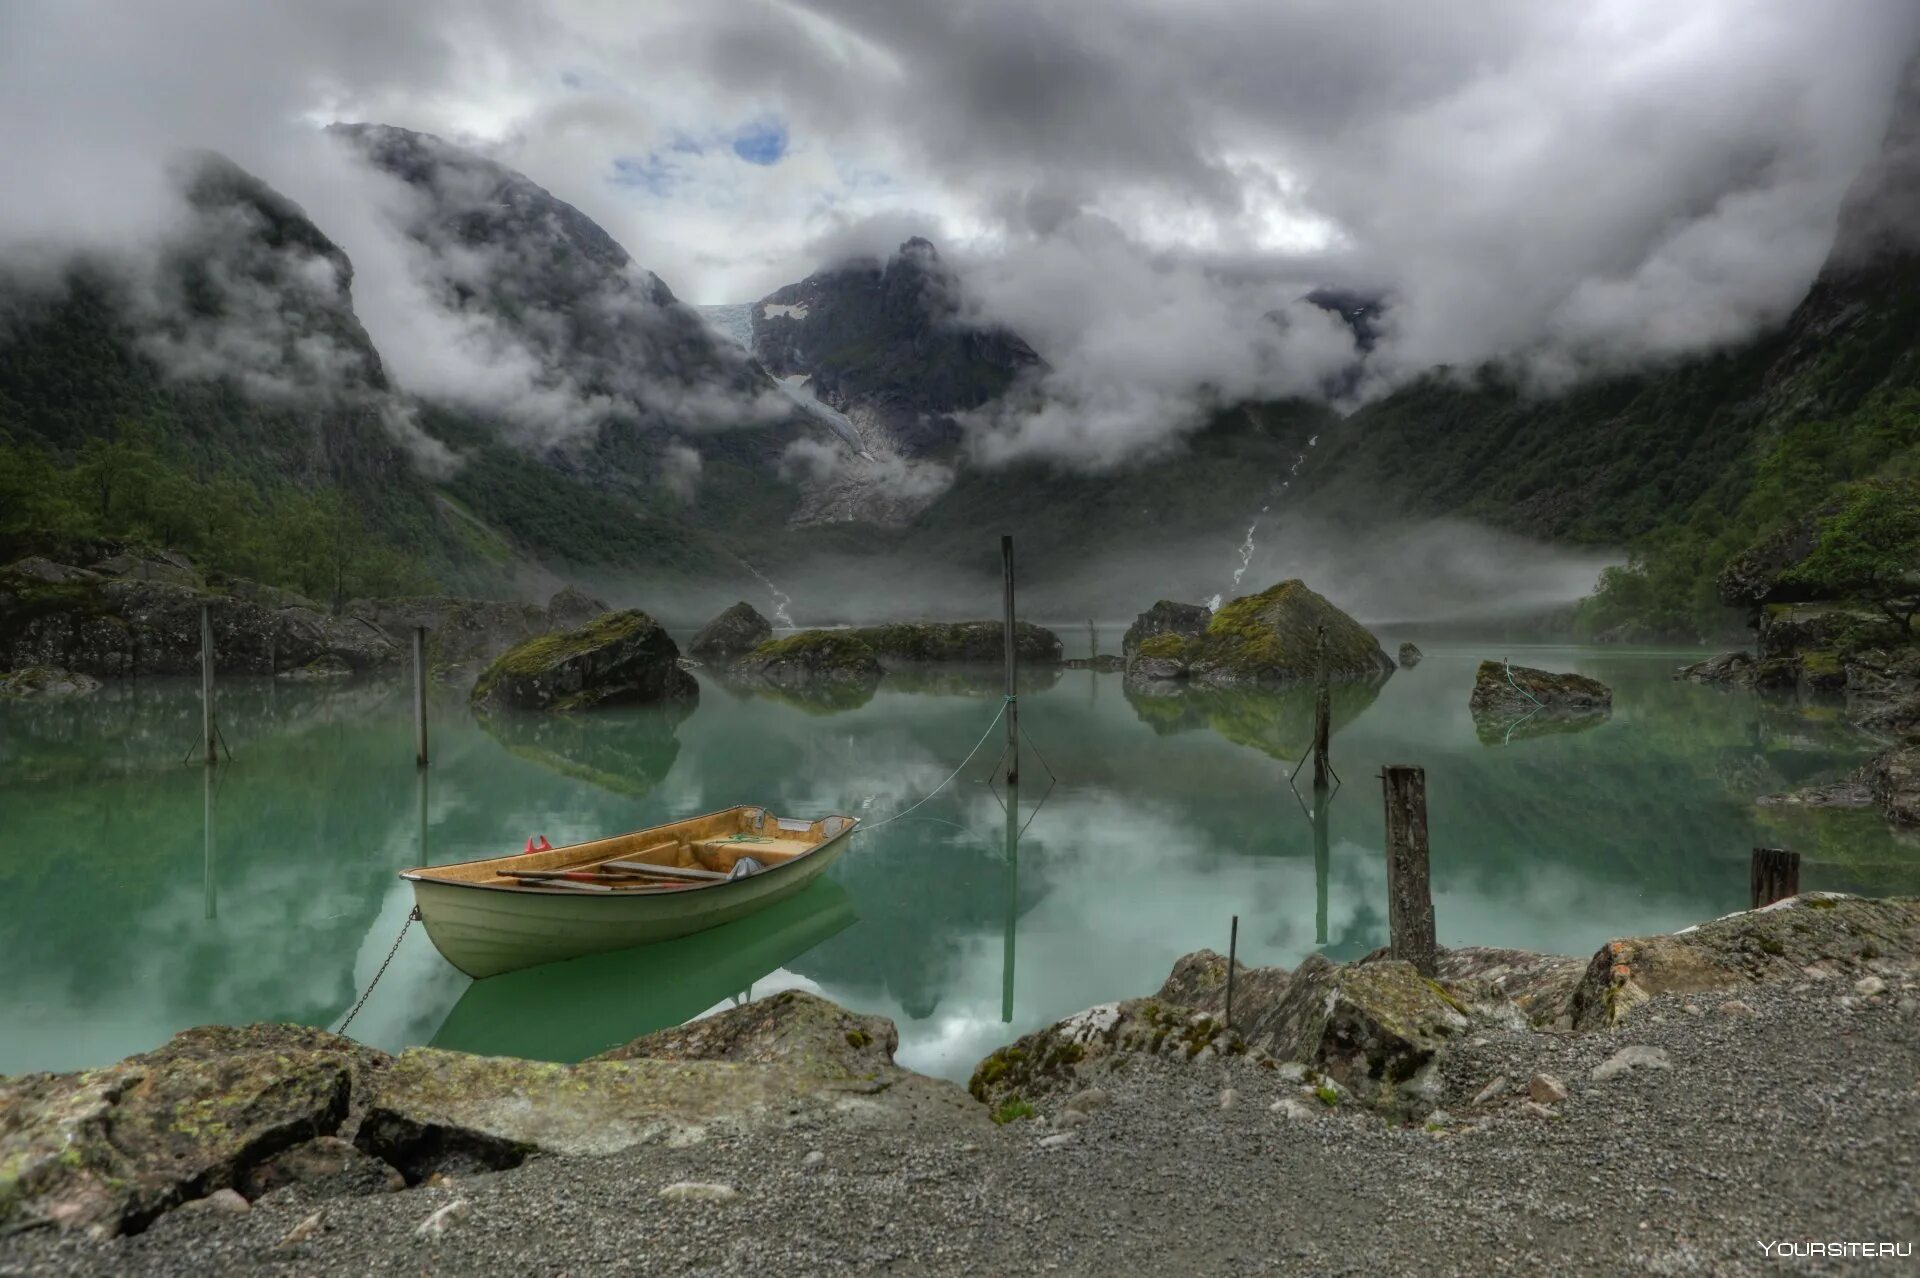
(510, 912)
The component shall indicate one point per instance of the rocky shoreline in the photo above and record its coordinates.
(1518, 1112)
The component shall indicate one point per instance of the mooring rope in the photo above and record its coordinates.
(874, 825)
(365, 994)
(1508, 666)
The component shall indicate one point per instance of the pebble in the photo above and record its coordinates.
(1090, 1099)
(1228, 1097)
(306, 1229)
(698, 1191)
(1292, 1072)
(1869, 986)
(1293, 1110)
(1538, 1110)
(227, 1202)
(1491, 1090)
(1072, 1118)
(1628, 1058)
(813, 1159)
(1056, 1142)
(444, 1218)
(1546, 1089)
(1734, 1007)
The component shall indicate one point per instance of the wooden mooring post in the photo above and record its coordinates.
(1093, 640)
(1409, 891)
(420, 696)
(1322, 864)
(1013, 779)
(206, 687)
(1233, 951)
(1774, 875)
(1322, 712)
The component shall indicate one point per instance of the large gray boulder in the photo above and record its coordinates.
(1500, 689)
(45, 683)
(1278, 636)
(1187, 621)
(1070, 1053)
(619, 657)
(812, 657)
(740, 629)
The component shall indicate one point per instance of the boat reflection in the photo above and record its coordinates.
(576, 1009)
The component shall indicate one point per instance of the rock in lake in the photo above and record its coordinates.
(812, 656)
(1269, 638)
(976, 642)
(1410, 656)
(1893, 779)
(740, 629)
(619, 657)
(1728, 667)
(1500, 689)
(46, 683)
(1187, 621)
(570, 608)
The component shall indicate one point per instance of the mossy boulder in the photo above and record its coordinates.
(45, 683)
(1199, 981)
(1410, 656)
(1893, 779)
(979, 642)
(1063, 1057)
(620, 657)
(108, 1150)
(1274, 637)
(740, 629)
(1500, 689)
(812, 656)
(1182, 620)
(792, 1027)
(1823, 932)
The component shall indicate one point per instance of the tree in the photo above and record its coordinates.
(1870, 549)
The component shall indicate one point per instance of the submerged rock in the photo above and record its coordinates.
(981, 642)
(1727, 667)
(1269, 638)
(620, 657)
(1502, 689)
(1410, 656)
(46, 683)
(1186, 621)
(1830, 933)
(738, 630)
(812, 656)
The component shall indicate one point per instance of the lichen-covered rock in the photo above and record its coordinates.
(1727, 667)
(1199, 981)
(110, 1149)
(979, 642)
(1374, 1027)
(1823, 932)
(740, 629)
(324, 1167)
(1184, 621)
(789, 1028)
(1893, 778)
(1500, 689)
(1057, 1060)
(45, 683)
(1539, 986)
(1410, 656)
(812, 656)
(571, 607)
(618, 657)
(1273, 637)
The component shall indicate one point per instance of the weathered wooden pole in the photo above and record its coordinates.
(1409, 892)
(1322, 865)
(1233, 950)
(420, 696)
(1322, 710)
(1774, 875)
(1093, 640)
(206, 686)
(1013, 783)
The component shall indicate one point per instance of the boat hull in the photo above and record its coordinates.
(485, 931)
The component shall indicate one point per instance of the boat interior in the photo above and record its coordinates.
(698, 852)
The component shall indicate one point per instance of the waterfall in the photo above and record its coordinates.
(1245, 552)
(781, 617)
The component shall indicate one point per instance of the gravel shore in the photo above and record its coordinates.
(1791, 1117)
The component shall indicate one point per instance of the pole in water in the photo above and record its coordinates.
(1409, 891)
(1013, 785)
(420, 696)
(1093, 641)
(1233, 949)
(1774, 875)
(206, 685)
(1322, 711)
(1322, 864)
(210, 905)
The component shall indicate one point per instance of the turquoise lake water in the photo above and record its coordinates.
(143, 894)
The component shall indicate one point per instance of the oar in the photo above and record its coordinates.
(584, 877)
(664, 871)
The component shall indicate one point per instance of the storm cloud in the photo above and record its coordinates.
(1143, 190)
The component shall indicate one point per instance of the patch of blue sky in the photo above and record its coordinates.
(762, 142)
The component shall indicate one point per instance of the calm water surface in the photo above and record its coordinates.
(140, 895)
